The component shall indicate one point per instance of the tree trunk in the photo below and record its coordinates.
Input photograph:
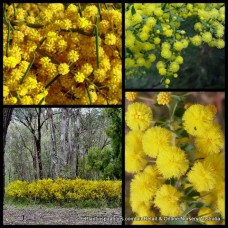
(34, 158)
(63, 161)
(7, 114)
(77, 134)
(54, 155)
(77, 163)
(70, 151)
(38, 145)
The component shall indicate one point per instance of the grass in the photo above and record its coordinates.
(98, 203)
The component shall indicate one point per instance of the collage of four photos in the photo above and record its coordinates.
(113, 114)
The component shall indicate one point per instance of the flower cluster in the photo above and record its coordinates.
(178, 162)
(58, 53)
(157, 34)
(62, 189)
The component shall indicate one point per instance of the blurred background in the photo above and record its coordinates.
(204, 98)
(203, 67)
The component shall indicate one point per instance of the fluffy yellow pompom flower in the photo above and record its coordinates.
(72, 56)
(110, 39)
(212, 142)
(197, 120)
(10, 61)
(196, 40)
(138, 116)
(205, 213)
(207, 37)
(135, 160)
(130, 96)
(135, 157)
(83, 23)
(201, 177)
(63, 68)
(220, 44)
(5, 91)
(163, 98)
(144, 186)
(216, 162)
(155, 140)
(143, 222)
(133, 140)
(221, 198)
(172, 162)
(87, 69)
(79, 77)
(166, 199)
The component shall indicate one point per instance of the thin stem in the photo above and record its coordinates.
(87, 90)
(186, 94)
(106, 6)
(14, 11)
(172, 111)
(144, 98)
(8, 40)
(97, 46)
(203, 196)
(41, 101)
(52, 81)
(5, 19)
(189, 191)
(28, 69)
(45, 54)
(100, 11)
(80, 9)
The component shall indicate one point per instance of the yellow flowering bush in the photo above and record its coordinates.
(55, 53)
(64, 189)
(158, 34)
(177, 161)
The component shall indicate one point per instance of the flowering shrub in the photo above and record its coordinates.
(62, 189)
(58, 53)
(177, 162)
(157, 34)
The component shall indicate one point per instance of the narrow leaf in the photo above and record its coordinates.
(133, 11)
(87, 90)
(28, 69)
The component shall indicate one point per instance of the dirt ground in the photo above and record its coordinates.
(61, 216)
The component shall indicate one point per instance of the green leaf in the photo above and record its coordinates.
(178, 222)
(137, 37)
(180, 132)
(190, 192)
(187, 198)
(194, 193)
(180, 19)
(178, 120)
(158, 26)
(188, 210)
(133, 11)
(188, 147)
(178, 98)
(198, 223)
(171, 181)
(199, 205)
(160, 123)
(179, 112)
(89, 96)
(163, 5)
(186, 190)
(28, 69)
